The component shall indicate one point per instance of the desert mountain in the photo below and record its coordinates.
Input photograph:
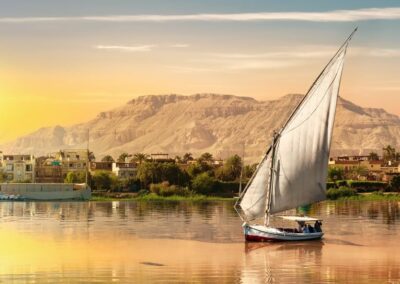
(219, 124)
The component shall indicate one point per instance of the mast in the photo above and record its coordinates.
(241, 172)
(271, 177)
(87, 159)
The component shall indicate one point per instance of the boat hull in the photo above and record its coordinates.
(258, 233)
(37, 191)
(80, 194)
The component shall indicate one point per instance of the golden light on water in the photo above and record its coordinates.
(120, 257)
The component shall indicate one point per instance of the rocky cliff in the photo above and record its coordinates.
(219, 124)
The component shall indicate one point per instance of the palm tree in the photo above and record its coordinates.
(373, 156)
(107, 158)
(139, 157)
(91, 156)
(206, 157)
(187, 157)
(122, 157)
(389, 153)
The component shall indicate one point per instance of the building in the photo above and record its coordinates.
(72, 160)
(124, 170)
(48, 170)
(346, 165)
(358, 167)
(101, 166)
(18, 168)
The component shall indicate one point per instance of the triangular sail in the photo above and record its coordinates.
(302, 148)
(253, 202)
(300, 152)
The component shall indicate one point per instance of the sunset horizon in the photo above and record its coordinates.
(63, 67)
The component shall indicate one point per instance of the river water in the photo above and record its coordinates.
(180, 242)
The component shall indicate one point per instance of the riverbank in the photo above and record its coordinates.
(154, 197)
(373, 196)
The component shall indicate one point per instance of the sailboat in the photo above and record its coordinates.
(293, 171)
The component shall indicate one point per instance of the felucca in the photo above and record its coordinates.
(293, 171)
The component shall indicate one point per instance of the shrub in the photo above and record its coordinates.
(343, 191)
(164, 189)
(75, 177)
(203, 184)
(103, 180)
(367, 186)
(395, 183)
(227, 189)
(335, 173)
(340, 183)
(330, 184)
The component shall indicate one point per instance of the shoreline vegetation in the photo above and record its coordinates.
(370, 196)
(154, 197)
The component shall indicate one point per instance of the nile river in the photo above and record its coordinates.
(180, 242)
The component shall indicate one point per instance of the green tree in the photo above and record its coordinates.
(187, 157)
(122, 157)
(75, 177)
(205, 158)
(153, 172)
(395, 183)
(389, 153)
(249, 170)
(139, 158)
(102, 180)
(335, 173)
(91, 156)
(203, 184)
(173, 174)
(3, 176)
(231, 170)
(107, 158)
(149, 172)
(198, 168)
(373, 156)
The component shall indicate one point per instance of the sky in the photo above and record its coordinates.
(62, 62)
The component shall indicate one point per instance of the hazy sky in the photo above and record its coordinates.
(62, 62)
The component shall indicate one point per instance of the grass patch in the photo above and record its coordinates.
(155, 197)
(373, 196)
(343, 191)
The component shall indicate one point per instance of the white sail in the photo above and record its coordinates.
(302, 148)
(254, 201)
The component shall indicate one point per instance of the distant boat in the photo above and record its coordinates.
(44, 191)
(293, 171)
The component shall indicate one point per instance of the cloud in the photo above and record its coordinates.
(236, 62)
(180, 45)
(384, 52)
(276, 55)
(389, 13)
(127, 48)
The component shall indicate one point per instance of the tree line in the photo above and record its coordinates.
(182, 176)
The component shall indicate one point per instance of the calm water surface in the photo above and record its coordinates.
(140, 242)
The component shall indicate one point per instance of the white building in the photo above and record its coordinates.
(124, 170)
(72, 160)
(18, 168)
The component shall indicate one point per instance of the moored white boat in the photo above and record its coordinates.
(293, 172)
(261, 233)
(44, 191)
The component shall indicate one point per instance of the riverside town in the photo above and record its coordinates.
(159, 175)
